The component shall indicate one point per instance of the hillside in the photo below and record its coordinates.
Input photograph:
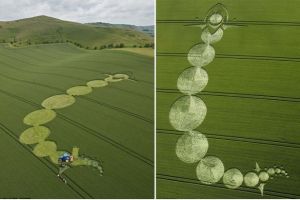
(44, 29)
(145, 29)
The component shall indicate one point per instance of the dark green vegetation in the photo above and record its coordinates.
(146, 29)
(113, 124)
(252, 96)
(43, 30)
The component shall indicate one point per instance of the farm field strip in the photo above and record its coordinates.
(94, 70)
(268, 193)
(235, 95)
(66, 67)
(191, 189)
(235, 138)
(231, 22)
(47, 73)
(92, 132)
(249, 77)
(78, 57)
(71, 77)
(239, 57)
(253, 40)
(248, 11)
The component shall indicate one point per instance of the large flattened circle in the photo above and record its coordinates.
(210, 170)
(187, 113)
(233, 178)
(201, 55)
(45, 148)
(210, 38)
(58, 101)
(79, 90)
(97, 83)
(191, 147)
(251, 179)
(39, 117)
(192, 80)
(34, 135)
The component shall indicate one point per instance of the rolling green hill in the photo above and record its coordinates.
(146, 29)
(112, 124)
(44, 29)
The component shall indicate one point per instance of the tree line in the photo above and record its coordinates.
(14, 42)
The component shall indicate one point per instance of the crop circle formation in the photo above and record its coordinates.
(189, 111)
(38, 134)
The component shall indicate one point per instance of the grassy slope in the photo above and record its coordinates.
(42, 28)
(142, 51)
(122, 112)
(253, 102)
(146, 29)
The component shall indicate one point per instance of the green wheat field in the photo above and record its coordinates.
(252, 96)
(113, 124)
